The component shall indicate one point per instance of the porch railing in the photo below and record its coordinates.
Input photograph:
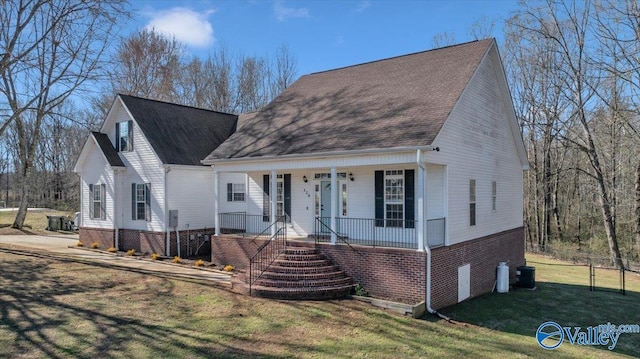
(267, 253)
(394, 233)
(242, 223)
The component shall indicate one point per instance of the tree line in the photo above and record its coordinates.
(61, 65)
(573, 68)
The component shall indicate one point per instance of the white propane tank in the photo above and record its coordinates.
(502, 285)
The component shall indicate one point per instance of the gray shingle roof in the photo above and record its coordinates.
(401, 101)
(180, 134)
(107, 149)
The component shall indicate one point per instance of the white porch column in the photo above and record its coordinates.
(334, 204)
(273, 194)
(216, 201)
(420, 197)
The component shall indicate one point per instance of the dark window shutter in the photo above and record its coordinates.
(117, 147)
(133, 201)
(379, 187)
(472, 214)
(91, 201)
(287, 196)
(265, 198)
(147, 201)
(229, 192)
(130, 136)
(103, 201)
(409, 198)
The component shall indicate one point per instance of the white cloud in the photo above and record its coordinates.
(363, 5)
(283, 13)
(190, 27)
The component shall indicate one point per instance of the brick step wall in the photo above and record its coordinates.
(302, 273)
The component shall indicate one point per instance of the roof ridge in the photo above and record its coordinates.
(399, 56)
(176, 104)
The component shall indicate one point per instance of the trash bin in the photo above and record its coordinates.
(526, 276)
(54, 223)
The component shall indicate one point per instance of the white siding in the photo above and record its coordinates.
(190, 191)
(96, 171)
(477, 143)
(226, 206)
(142, 166)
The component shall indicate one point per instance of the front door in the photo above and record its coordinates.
(325, 205)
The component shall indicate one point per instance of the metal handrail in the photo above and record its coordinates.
(280, 219)
(266, 254)
(332, 231)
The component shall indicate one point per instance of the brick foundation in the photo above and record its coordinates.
(104, 236)
(399, 274)
(234, 250)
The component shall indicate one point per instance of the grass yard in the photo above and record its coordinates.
(56, 307)
(35, 223)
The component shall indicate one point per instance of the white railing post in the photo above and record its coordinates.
(216, 201)
(273, 194)
(334, 204)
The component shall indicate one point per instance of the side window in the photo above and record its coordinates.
(97, 201)
(141, 201)
(124, 136)
(472, 202)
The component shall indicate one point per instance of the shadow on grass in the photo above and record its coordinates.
(521, 311)
(36, 310)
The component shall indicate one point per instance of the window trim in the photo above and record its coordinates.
(394, 200)
(136, 201)
(129, 136)
(494, 195)
(234, 190)
(99, 189)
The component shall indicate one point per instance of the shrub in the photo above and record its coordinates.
(95, 245)
(155, 256)
(112, 250)
(199, 263)
(177, 259)
(79, 244)
(131, 252)
(360, 291)
(228, 268)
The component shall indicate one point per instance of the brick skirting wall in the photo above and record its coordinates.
(399, 274)
(104, 236)
(234, 250)
(148, 242)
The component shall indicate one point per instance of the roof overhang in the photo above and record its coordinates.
(349, 153)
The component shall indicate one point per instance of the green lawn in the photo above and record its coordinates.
(35, 223)
(55, 307)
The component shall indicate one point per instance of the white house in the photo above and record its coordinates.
(144, 166)
(420, 152)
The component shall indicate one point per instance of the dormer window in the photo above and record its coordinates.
(124, 136)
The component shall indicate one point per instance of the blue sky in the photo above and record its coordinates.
(321, 34)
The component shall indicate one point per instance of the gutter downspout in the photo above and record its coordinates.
(427, 250)
(167, 169)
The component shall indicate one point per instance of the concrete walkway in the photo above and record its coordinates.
(59, 245)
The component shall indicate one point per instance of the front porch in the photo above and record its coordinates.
(353, 231)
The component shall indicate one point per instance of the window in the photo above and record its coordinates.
(279, 195)
(124, 136)
(494, 195)
(327, 175)
(141, 201)
(394, 198)
(472, 202)
(235, 192)
(97, 194)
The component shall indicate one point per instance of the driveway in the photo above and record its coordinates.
(59, 244)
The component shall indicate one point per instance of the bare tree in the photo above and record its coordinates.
(443, 39)
(147, 64)
(285, 70)
(70, 37)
